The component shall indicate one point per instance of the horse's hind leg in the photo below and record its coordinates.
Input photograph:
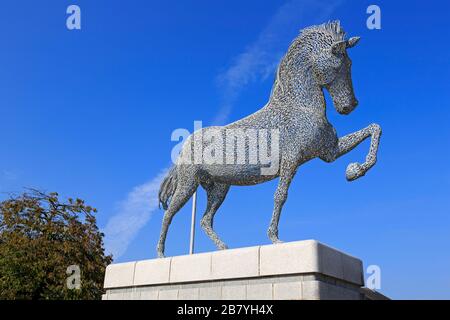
(279, 199)
(185, 189)
(216, 194)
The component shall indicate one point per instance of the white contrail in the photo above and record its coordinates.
(133, 213)
(255, 63)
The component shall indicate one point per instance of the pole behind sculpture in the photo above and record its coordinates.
(194, 209)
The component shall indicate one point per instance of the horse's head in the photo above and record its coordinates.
(332, 69)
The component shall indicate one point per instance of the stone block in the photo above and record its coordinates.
(196, 267)
(211, 292)
(151, 272)
(285, 290)
(353, 270)
(235, 292)
(259, 291)
(116, 296)
(289, 258)
(148, 294)
(119, 275)
(237, 263)
(311, 290)
(188, 294)
(330, 261)
(171, 294)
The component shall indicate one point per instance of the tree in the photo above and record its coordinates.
(40, 239)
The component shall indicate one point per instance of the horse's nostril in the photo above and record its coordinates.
(346, 110)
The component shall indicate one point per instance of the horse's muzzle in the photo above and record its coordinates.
(347, 110)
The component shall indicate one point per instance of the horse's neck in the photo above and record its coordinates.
(299, 92)
(290, 96)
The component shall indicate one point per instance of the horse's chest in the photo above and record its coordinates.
(308, 140)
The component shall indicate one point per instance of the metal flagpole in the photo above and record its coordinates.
(194, 209)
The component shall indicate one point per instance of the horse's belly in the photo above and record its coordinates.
(243, 175)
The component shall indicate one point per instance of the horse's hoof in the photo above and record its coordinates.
(223, 247)
(160, 254)
(273, 236)
(354, 171)
(275, 240)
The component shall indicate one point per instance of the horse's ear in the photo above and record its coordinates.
(352, 42)
(338, 47)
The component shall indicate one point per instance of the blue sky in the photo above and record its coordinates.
(90, 113)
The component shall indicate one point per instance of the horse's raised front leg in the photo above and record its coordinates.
(279, 199)
(350, 141)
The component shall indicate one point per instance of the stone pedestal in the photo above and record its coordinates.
(295, 270)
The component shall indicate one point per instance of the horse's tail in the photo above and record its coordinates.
(168, 187)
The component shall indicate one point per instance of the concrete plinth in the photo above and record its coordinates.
(300, 270)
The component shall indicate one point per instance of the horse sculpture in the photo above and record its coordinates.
(315, 60)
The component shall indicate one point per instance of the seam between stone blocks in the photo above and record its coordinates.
(210, 265)
(170, 269)
(273, 290)
(259, 261)
(134, 272)
(259, 273)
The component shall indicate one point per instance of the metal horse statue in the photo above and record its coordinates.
(315, 60)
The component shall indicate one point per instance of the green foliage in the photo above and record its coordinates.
(40, 237)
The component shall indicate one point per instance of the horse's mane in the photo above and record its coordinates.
(332, 29)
